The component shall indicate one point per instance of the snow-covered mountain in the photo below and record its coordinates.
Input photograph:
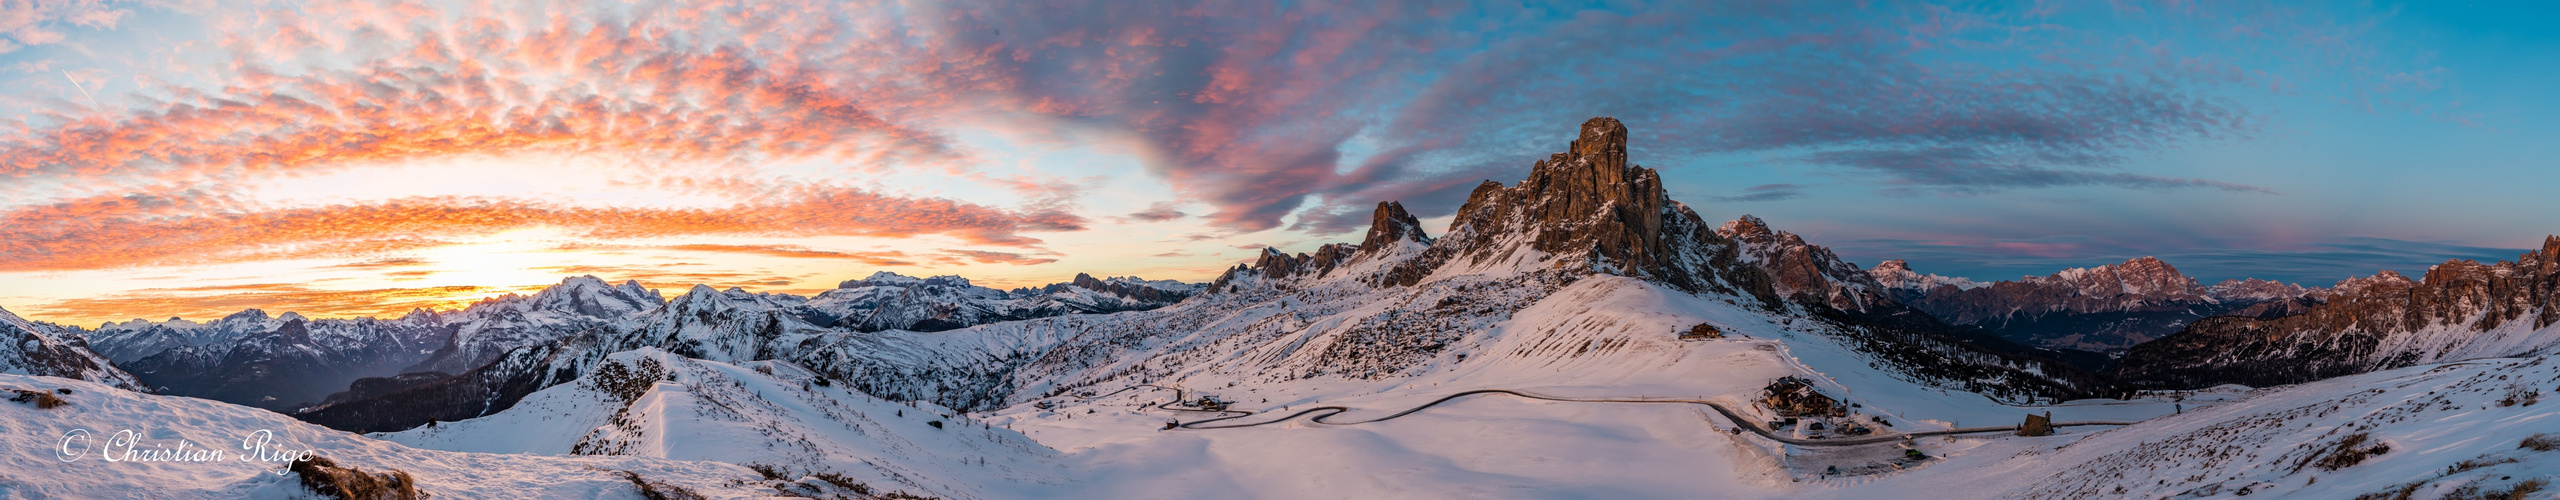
(2461, 310)
(137, 339)
(288, 361)
(2103, 308)
(491, 327)
(31, 348)
(889, 301)
(295, 362)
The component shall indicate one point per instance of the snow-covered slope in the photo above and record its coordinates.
(31, 348)
(32, 464)
(767, 413)
(2425, 432)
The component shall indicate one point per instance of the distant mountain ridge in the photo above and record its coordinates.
(288, 361)
(2108, 307)
(2461, 309)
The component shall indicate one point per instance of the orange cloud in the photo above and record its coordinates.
(121, 232)
(202, 303)
(480, 87)
(985, 257)
(879, 258)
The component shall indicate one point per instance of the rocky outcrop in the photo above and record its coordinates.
(2101, 308)
(2462, 309)
(1804, 272)
(1391, 226)
(43, 349)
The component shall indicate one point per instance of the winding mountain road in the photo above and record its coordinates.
(1325, 415)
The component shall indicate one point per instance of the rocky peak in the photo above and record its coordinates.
(890, 279)
(246, 315)
(2142, 277)
(1391, 225)
(1745, 226)
(2386, 281)
(2258, 290)
(592, 296)
(1906, 285)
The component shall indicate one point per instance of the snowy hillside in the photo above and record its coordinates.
(2457, 430)
(765, 413)
(32, 463)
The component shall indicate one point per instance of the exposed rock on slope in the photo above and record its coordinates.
(32, 348)
(2101, 308)
(2461, 310)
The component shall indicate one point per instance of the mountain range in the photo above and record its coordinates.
(1586, 334)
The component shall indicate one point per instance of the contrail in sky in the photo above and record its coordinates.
(84, 92)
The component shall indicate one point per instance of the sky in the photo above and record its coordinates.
(349, 158)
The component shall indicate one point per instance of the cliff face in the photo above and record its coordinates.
(2461, 310)
(2107, 307)
(1588, 210)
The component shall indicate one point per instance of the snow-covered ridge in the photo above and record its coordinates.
(32, 439)
(656, 404)
(30, 348)
(2427, 430)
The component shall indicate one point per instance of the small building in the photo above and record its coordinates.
(2037, 425)
(1211, 403)
(1702, 332)
(1792, 397)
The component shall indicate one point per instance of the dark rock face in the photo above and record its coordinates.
(2461, 310)
(1390, 226)
(1804, 272)
(2101, 308)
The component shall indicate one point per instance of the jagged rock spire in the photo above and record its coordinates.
(1390, 225)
